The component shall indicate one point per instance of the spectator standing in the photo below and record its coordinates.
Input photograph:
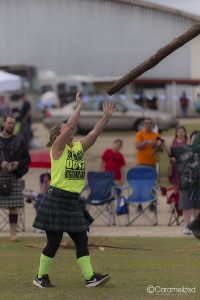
(180, 139)
(25, 120)
(184, 104)
(146, 142)
(188, 168)
(113, 160)
(5, 110)
(14, 160)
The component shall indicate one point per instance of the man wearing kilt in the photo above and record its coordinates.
(14, 160)
(61, 209)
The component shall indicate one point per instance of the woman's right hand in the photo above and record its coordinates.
(108, 108)
(79, 99)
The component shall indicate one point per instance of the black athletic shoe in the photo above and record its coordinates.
(195, 225)
(43, 282)
(97, 279)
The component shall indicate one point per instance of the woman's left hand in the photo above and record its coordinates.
(15, 165)
(108, 108)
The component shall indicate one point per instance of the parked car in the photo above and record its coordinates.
(128, 116)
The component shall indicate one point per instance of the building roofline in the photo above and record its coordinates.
(161, 8)
(140, 80)
(149, 80)
(169, 80)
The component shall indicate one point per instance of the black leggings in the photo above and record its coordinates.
(54, 239)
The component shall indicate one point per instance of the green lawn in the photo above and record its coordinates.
(134, 264)
(194, 125)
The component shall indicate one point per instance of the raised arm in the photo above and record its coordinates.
(66, 130)
(90, 139)
(72, 121)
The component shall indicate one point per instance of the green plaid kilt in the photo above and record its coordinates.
(61, 211)
(16, 198)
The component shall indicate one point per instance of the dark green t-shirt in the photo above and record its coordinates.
(187, 163)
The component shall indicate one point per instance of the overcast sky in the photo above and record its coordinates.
(191, 6)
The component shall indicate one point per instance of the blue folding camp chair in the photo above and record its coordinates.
(142, 183)
(100, 198)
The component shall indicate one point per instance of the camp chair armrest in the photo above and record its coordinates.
(156, 189)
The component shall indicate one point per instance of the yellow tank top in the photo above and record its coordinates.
(68, 172)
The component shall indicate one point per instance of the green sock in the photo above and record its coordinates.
(45, 262)
(85, 265)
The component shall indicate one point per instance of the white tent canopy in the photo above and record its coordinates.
(9, 82)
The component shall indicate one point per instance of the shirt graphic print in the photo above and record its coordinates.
(75, 166)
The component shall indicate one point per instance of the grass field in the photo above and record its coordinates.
(134, 264)
(190, 126)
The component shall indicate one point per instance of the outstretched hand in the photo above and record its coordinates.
(79, 99)
(108, 108)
